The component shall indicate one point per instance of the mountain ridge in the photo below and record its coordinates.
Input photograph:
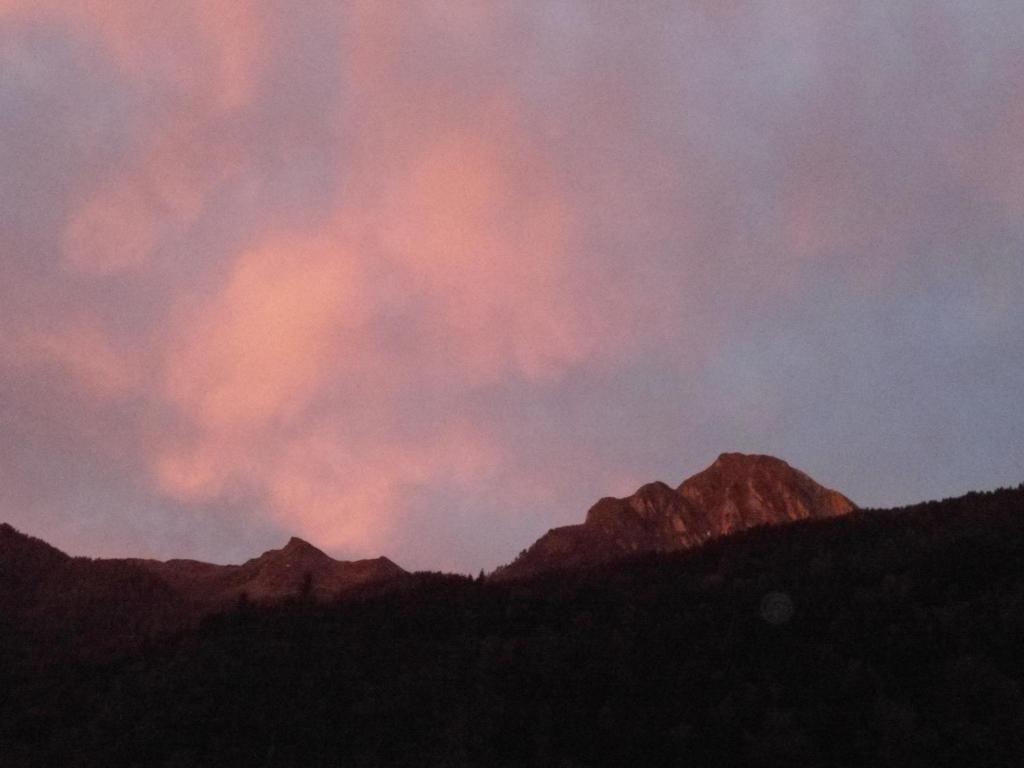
(736, 492)
(114, 602)
(297, 553)
(296, 568)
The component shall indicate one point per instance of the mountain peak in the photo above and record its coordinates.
(297, 545)
(731, 456)
(736, 492)
(299, 565)
(740, 490)
(296, 550)
(734, 460)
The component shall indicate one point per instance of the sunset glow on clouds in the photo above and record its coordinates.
(424, 279)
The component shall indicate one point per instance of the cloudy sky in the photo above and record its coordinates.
(425, 279)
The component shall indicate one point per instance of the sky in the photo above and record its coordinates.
(425, 279)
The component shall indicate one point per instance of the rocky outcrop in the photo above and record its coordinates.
(737, 492)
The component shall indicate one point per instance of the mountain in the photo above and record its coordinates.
(24, 557)
(80, 603)
(276, 574)
(106, 604)
(42, 587)
(737, 492)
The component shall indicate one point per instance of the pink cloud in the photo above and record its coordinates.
(475, 227)
(258, 349)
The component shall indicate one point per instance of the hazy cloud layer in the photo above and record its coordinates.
(427, 278)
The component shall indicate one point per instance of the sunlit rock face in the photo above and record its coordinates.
(740, 491)
(737, 492)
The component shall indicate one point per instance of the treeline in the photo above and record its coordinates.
(904, 649)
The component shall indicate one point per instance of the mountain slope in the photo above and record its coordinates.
(79, 603)
(737, 492)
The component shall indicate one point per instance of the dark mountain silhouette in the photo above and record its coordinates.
(78, 603)
(25, 558)
(103, 604)
(900, 646)
(737, 492)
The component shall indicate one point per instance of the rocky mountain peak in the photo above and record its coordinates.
(296, 553)
(302, 548)
(736, 492)
(740, 461)
(740, 491)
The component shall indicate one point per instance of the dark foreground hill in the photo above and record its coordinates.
(891, 638)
